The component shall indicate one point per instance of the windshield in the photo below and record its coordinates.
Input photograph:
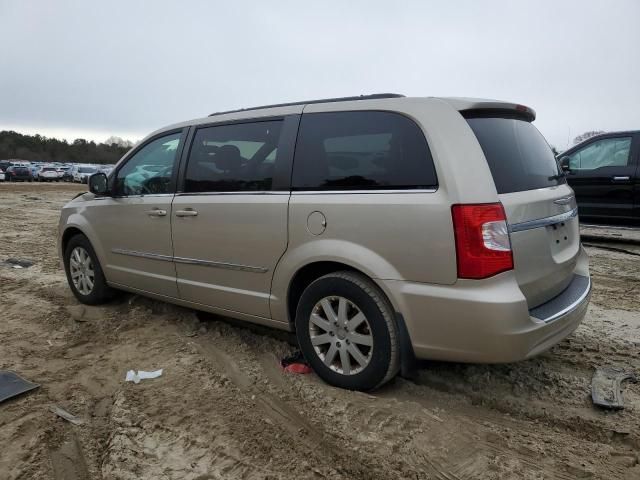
(86, 170)
(518, 155)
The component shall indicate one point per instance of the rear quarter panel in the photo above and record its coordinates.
(391, 236)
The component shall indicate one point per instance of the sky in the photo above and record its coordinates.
(92, 69)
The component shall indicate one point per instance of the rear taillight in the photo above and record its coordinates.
(483, 247)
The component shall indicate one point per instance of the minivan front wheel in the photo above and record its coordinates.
(84, 273)
(346, 331)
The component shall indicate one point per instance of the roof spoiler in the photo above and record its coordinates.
(472, 107)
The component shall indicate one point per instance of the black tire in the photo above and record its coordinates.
(101, 292)
(363, 294)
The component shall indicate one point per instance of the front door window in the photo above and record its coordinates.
(608, 152)
(150, 170)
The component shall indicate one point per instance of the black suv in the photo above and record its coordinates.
(604, 173)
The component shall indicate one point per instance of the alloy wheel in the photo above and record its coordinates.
(81, 269)
(341, 335)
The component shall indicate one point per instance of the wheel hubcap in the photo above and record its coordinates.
(341, 335)
(81, 268)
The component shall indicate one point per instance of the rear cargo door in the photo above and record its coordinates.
(540, 207)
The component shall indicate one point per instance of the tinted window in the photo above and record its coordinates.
(360, 151)
(150, 169)
(518, 155)
(233, 158)
(608, 152)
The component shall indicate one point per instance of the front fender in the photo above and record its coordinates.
(77, 221)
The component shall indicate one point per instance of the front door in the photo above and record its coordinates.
(602, 175)
(230, 219)
(135, 222)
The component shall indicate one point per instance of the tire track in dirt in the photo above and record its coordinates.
(286, 417)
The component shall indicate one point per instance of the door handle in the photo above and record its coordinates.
(156, 212)
(621, 179)
(186, 213)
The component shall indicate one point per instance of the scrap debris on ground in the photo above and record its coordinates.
(223, 407)
(606, 386)
(12, 385)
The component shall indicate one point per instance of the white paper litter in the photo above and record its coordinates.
(18, 266)
(134, 377)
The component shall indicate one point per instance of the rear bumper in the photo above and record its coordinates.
(488, 321)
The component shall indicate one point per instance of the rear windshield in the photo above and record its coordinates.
(518, 155)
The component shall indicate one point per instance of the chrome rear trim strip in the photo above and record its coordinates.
(564, 200)
(189, 261)
(543, 222)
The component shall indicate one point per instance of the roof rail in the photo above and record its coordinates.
(374, 96)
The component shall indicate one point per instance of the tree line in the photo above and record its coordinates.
(14, 145)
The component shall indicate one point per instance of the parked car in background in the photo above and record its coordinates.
(3, 167)
(604, 172)
(376, 227)
(65, 174)
(106, 169)
(48, 174)
(20, 173)
(82, 174)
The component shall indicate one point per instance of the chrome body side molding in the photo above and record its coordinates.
(151, 256)
(228, 266)
(189, 261)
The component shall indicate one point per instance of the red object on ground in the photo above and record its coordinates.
(295, 364)
(298, 368)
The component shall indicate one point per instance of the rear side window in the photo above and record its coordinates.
(518, 155)
(233, 158)
(361, 151)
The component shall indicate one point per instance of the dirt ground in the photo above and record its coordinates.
(223, 409)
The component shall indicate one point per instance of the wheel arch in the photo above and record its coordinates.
(76, 225)
(308, 273)
(68, 233)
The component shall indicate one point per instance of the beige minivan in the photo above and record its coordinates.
(379, 228)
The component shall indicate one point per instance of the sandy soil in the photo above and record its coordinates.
(224, 410)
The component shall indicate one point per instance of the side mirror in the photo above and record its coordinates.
(564, 164)
(98, 184)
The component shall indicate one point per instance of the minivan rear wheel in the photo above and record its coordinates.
(346, 331)
(84, 273)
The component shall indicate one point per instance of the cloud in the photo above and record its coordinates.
(130, 67)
